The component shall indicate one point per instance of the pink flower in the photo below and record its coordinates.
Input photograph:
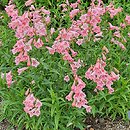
(38, 103)
(29, 2)
(123, 25)
(67, 2)
(32, 7)
(67, 57)
(32, 105)
(114, 76)
(47, 19)
(66, 78)
(105, 49)
(117, 34)
(73, 53)
(99, 75)
(112, 11)
(103, 57)
(35, 63)
(96, 29)
(118, 43)
(52, 30)
(22, 70)
(69, 96)
(47, 12)
(28, 61)
(79, 42)
(40, 27)
(9, 78)
(33, 82)
(28, 46)
(74, 12)
(113, 27)
(51, 50)
(39, 43)
(88, 108)
(74, 5)
(127, 19)
(78, 95)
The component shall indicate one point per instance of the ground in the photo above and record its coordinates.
(92, 124)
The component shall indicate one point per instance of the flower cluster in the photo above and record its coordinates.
(77, 33)
(31, 28)
(32, 105)
(78, 95)
(31, 23)
(99, 75)
(112, 11)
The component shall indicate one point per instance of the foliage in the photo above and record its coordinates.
(50, 87)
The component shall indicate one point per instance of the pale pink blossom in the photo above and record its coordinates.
(88, 108)
(123, 25)
(29, 2)
(51, 50)
(47, 19)
(32, 105)
(113, 27)
(34, 62)
(21, 70)
(74, 5)
(127, 19)
(74, 12)
(73, 53)
(69, 96)
(9, 79)
(117, 34)
(28, 91)
(103, 57)
(112, 11)
(47, 12)
(33, 82)
(79, 42)
(52, 30)
(32, 7)
(38, 43)
(105, 49)
(66, 78)
(67, 2)
(118, 43)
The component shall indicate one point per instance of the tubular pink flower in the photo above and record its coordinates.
(32, 105)
(66, 78)
(29, 2)
(35, 63)
(9, 79)
(39, 43)
(22, 70)
(127, 19)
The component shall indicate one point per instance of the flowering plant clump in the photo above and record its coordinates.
(37, 36)
(31, 24)
(27, 26)
(32, 105)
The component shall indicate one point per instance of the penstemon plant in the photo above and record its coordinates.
(67, 46)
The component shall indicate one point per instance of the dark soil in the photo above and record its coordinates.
(106, 124)
(91, 124)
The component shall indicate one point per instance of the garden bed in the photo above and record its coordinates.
(91, 124)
